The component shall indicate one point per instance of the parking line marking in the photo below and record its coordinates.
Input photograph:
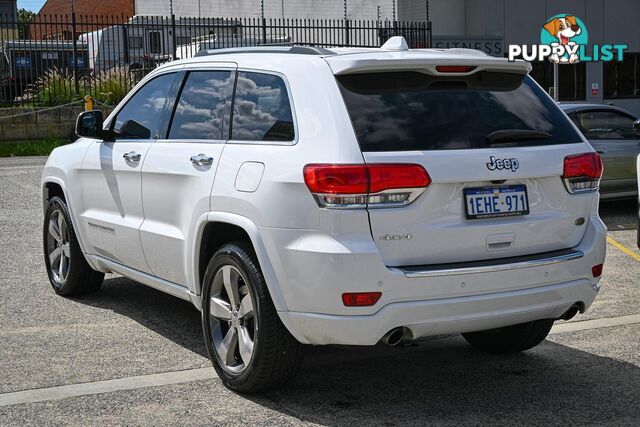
(199, 374)
(98, 387)
(624, 249)
(605, 322)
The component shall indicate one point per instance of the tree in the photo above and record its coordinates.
(24, 18)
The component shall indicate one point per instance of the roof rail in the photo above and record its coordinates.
(296, 50)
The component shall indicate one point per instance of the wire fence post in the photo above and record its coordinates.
(173, 35)
(347, 31)
(75, 53)
(264, 30)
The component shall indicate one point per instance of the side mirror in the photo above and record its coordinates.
(89, 124)
(636, 127)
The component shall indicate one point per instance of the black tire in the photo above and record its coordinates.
(80, 278)
(510, 339)
(277, 355)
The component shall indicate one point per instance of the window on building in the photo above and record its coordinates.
(204, 106)
(136, 42)
(605, 125)
(155, 41)
(571, 79)
(622, 78)
(180, 40)
(143, 116)
(261, 109)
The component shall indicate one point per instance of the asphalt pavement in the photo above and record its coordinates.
(132, 355)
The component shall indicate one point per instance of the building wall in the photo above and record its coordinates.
(8, 10)
(301, 9)
(107, 11)
(520, 22)
(89, 7)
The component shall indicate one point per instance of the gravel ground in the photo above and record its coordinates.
(127, 330)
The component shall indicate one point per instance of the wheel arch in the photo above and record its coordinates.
(51, 187)
(218, 228)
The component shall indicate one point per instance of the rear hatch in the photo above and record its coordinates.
(494, 146)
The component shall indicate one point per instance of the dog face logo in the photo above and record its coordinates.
(566, 31)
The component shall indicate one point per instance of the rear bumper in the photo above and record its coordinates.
(443, 316)
(314, 269)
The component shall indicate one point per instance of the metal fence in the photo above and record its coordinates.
(54, 60)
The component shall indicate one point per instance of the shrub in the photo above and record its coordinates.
(57, 87)
(111, 86)
(54, 87)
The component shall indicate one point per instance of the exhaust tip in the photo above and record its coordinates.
(571, 313)
(393, 337)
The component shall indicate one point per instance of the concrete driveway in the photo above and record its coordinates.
(132, 355)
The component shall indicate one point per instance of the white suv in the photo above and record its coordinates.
(299, 195)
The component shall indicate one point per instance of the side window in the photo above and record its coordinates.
(262, 111)
(143, 115)
(606, 125)
(204, 106)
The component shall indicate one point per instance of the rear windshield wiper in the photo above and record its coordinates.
(514, 135)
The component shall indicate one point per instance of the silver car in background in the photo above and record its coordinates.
(615, 134)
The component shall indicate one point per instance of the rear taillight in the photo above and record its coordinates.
(596, 270)
(359, 186)
(360, 299)
(582, 172)
(455, 68)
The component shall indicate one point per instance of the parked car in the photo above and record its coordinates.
(299, 195)
(637, 124)
(610, 130)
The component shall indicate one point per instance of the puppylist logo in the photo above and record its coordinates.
(564, 39)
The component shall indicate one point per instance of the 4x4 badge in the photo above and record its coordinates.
(501, 164)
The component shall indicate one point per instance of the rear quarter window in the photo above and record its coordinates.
(405, 111)
(262, 111)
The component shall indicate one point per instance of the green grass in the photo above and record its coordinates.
(30, 148)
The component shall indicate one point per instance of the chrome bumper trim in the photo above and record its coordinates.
(488, 266)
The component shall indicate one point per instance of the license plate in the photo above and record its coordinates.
(494, 202)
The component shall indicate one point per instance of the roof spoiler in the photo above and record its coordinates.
(425, 62)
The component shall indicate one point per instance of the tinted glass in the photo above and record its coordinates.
(261, 109)
(204, 106)
(622, 78)
(145, 110)
(605, 125)
(571, 79)
(402, 111)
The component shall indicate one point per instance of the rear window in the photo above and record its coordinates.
(404, 111)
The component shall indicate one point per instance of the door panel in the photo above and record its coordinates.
(178, 173)
(175, 194)
(111, 174)
(618, 159)
(112, 205)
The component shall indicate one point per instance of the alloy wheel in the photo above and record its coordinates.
(232, 319)
(58, 247)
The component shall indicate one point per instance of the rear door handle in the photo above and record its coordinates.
(132, 156)
(202, 160)
(601, 152)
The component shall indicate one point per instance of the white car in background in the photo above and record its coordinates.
(299, 195)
